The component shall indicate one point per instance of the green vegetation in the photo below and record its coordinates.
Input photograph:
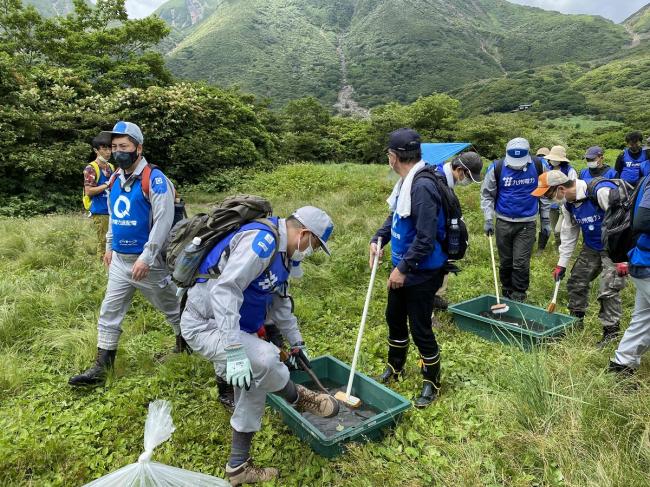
(394, 50)
(639, 22)
(504, 417)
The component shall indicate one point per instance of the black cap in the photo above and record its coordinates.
(472, 162)
(404, 140)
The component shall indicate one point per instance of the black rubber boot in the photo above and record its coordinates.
(397, 352)
(181, 345)
(581, 318)
(430, 382)
(623, 370)
(440, 304)
(226, 394)
(95, 375)
(610, 334)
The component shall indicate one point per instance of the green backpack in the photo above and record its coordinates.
(228, 216)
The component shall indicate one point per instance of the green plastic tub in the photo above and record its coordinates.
(547, 326)
(331, 370)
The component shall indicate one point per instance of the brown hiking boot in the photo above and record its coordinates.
(320, 404)
(248, 473)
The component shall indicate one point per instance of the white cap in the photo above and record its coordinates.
(518, 152)
(317, 222)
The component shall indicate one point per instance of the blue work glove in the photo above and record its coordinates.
(546, 227)
(238, 367)
(299, 350)
(488, 228)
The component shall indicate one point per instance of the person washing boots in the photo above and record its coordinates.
(224, 317)
(506, 191)
(141, 209)
(557, 160)
(584, 211)
(415, 229)
(462, 170)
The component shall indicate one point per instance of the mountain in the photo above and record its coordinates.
(639, 22)
(380, 50)
(50, 8)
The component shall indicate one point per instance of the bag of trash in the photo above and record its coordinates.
(145, 473)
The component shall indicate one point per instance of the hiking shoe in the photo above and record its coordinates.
(622, 370)
(248, 473)
(317, 403)
(610, 334)
(439, 303)
(95, 375)
(226, 394)
(181, 345)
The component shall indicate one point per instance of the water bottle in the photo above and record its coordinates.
(453, 239)
(187, 263)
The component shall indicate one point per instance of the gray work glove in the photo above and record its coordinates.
(546, 227)
(488, 228)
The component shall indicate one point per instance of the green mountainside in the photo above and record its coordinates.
(391, 49)
(639, 22)
(50, 8)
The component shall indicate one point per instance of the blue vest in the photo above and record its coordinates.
(514, 199)
(586, 176)
(258, 296)
(565, 167)
(631, 171)
(590, 216)
(640, 254)
(403, 233)
(130, 218)
(99, 203)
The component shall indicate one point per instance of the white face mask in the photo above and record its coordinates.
(464, 182)
(517, 165)
(101, 159)
(300, 255)
(555, 163)
(592, 164)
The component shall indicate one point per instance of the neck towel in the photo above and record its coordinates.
(399, 200)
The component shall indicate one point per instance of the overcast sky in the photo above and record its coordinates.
(616, 10)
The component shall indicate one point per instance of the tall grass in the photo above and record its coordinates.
(505, 417)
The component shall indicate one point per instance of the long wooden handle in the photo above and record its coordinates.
(357, 348)
(494, 270)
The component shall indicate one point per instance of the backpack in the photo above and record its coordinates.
(227, 217)
(498, 169)
(179, 205)
(456, 235)
(85, 199)
(617, 235)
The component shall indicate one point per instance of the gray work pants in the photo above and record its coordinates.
(515, 242)
(636, 340)
(157, 288)
(269, 374)
(589, 264)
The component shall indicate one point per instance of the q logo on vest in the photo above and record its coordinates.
(122, 211)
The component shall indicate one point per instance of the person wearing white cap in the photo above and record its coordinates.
(558, 160)
(505, 192)
(141, 213)
(584, 211)
(223, 321)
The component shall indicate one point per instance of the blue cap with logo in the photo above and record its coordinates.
(128, 128)
(317, 222)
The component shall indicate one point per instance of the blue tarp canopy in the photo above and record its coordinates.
(437, 153)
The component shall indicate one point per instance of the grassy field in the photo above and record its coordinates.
(505, 417)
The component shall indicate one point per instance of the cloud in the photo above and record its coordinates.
(616, 10)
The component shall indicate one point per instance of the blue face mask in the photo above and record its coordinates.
(125, 160)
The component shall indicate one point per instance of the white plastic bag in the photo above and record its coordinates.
(158, 429)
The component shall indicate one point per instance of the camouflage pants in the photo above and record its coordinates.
(589, 264)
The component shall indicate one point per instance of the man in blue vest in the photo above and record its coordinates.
(584, 211)
(636, 340)
(415, 227)
(224, 319)
(138, 228)
(96, 176)
(506, 192)
(596, 167)
(630, 162)
(462, 170)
